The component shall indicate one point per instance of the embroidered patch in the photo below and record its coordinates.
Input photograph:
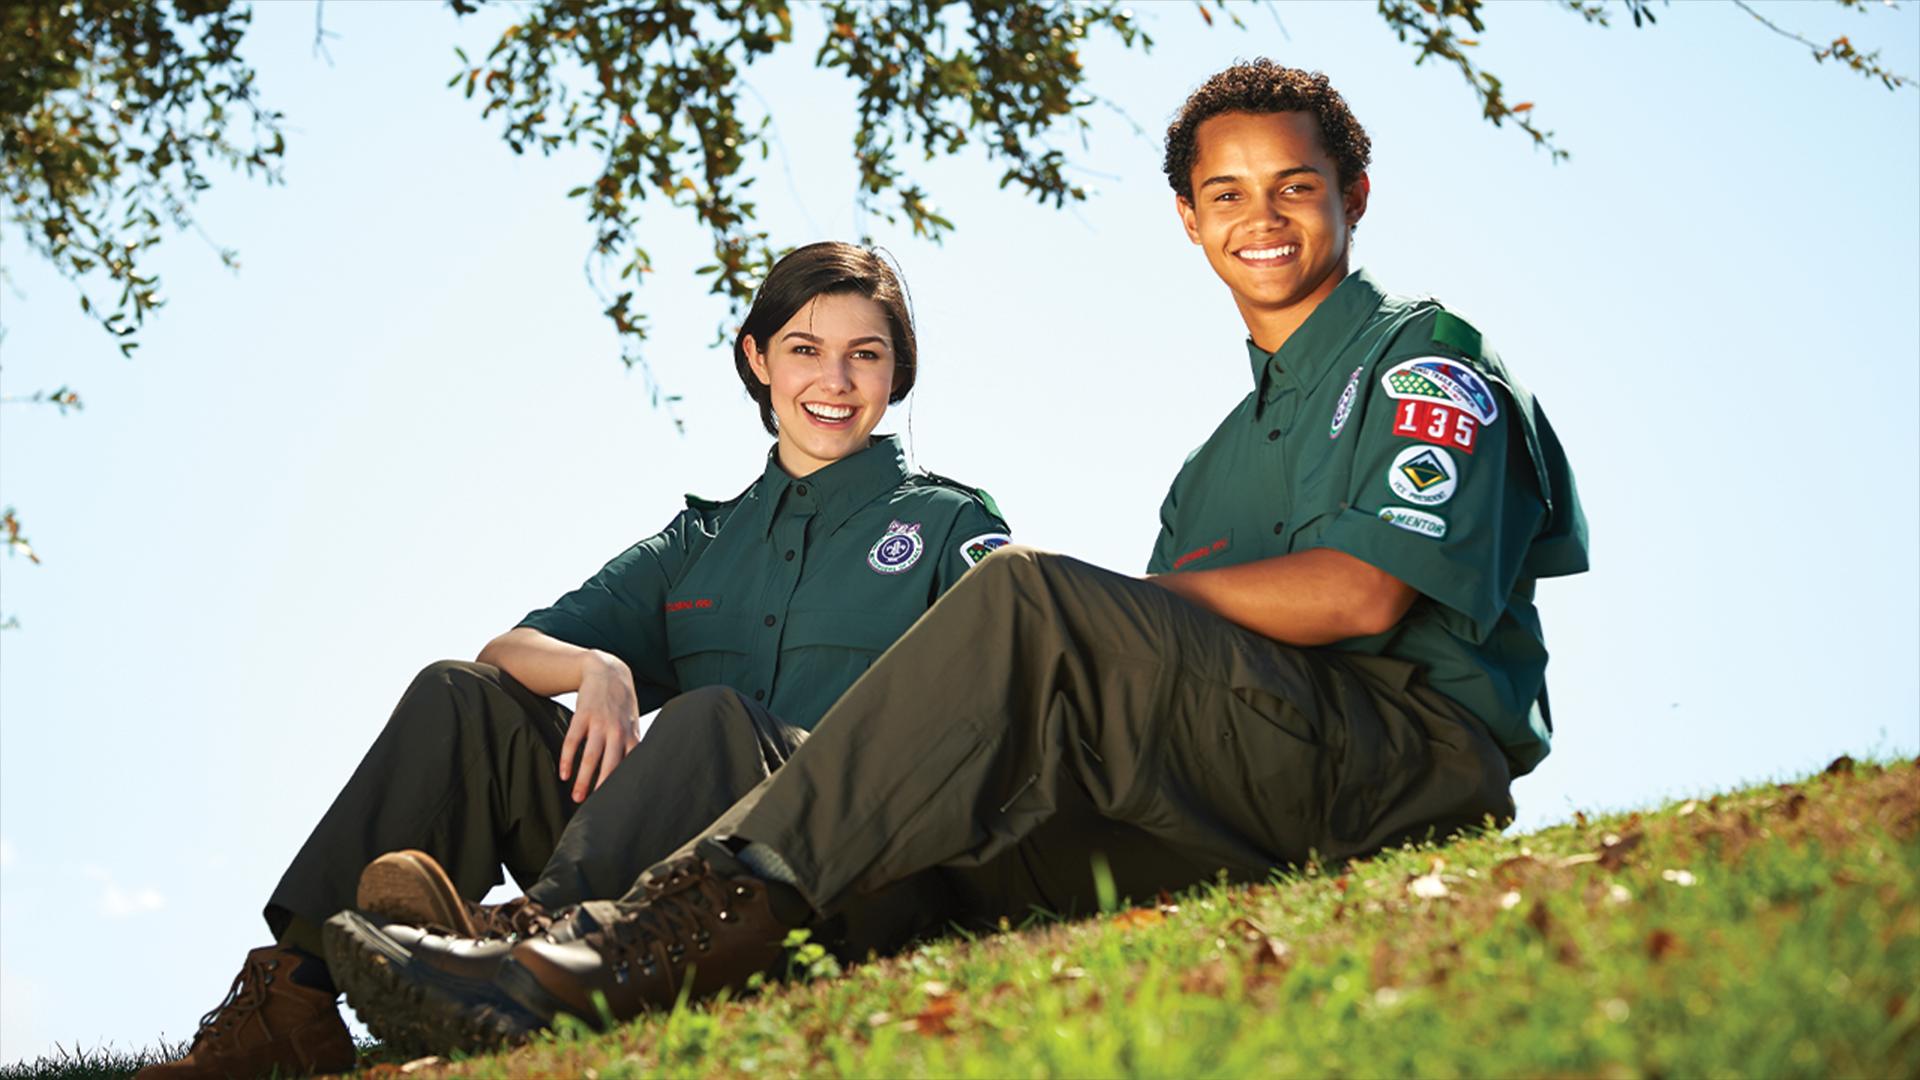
(1424, 475)
(898, 550)
(1436, 378)
(1429, 525)
(1430, 421)
(1201, 553)
(983, 545)
(1345, 408)
(688, 605)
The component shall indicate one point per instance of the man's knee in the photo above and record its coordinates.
(717, 721)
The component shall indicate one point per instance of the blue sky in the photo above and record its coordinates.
(404, 423)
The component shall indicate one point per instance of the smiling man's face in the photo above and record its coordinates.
(1268, 210)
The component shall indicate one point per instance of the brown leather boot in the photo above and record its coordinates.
(268, 1023)
(409, 887)
(383, 966)
(706, 925)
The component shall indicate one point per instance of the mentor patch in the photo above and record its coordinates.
(1429, 525)
(898, 549)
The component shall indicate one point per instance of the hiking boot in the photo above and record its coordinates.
(398, 977)
(706, 925)
(267, 1024)
(410, 887)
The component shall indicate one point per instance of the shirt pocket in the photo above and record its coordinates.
(706, 644)
(860, 635)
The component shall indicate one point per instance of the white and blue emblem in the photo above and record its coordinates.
(1345, 408)
(1447, 381)
(983, 545)
(898, 550)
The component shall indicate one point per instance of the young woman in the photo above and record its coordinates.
(760, 610)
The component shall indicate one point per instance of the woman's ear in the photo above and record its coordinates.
(756, 360)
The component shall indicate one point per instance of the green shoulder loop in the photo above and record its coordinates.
(714, 511)
(986, 500)
(1453, 331)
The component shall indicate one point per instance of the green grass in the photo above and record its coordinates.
(1772, 932)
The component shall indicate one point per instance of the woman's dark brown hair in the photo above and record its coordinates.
(829, 268)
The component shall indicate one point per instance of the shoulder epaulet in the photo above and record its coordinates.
(986, 500)
(1457, 333)
(708, 506)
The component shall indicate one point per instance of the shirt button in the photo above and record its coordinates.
(1272, 435)
(770, 620)
(800, 490)
(759, 695)
(1279, 527)
(789, 556)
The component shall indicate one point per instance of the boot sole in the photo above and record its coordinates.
(410, 887)
(413, 1006)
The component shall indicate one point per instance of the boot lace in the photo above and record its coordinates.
(247, 994)
(681, 907)
(518, 917)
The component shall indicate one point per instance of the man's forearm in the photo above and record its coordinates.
(1308, 598)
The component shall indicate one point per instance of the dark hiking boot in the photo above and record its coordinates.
(410, 887)
(407, 983)
(706, 925)
(268, 1024)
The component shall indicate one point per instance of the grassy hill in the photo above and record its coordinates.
(1773, 932)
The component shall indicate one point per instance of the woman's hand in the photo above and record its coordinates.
(606, 715)
(606, 723)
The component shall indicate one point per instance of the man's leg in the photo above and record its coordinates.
(1236, 753)
(704, 750)
(465, 770)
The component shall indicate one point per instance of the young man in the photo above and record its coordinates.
(1336, 648)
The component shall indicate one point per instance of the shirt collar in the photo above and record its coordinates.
(834, 492)
(1313, 349)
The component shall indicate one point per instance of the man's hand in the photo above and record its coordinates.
(606, 715)
(1313, 597)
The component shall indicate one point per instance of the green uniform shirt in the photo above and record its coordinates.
(1384, 428)
(786, 592)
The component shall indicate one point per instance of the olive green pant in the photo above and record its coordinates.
(1045, 709)
(466, 770)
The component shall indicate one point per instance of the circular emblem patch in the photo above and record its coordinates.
(898, 550)
(1423, 475)
(1345, 408)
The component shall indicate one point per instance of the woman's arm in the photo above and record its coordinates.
(606, 713)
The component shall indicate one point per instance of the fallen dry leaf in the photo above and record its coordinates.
(1137, 918)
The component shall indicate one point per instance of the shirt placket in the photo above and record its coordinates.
(1278, 418)
(788, 542)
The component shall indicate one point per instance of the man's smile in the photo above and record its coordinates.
(1273, 253)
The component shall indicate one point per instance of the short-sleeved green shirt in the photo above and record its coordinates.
(1386, 429)
(786, 592)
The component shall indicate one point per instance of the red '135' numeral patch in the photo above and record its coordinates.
(1436, 423)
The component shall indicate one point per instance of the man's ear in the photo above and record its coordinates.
(1184, 207)
(1355, 199)
(756, 360)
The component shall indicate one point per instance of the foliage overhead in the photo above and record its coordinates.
(656, 88)
(112, 108)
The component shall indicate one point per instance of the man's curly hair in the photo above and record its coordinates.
(1262, 86)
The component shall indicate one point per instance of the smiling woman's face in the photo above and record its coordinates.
(830, 371)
